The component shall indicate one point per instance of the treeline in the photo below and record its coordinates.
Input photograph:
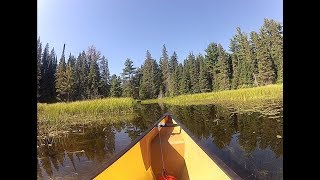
(254, 60)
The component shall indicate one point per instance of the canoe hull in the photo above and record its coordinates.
(183, 157)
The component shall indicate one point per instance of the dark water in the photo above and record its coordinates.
(247, 142)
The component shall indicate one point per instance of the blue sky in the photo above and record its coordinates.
(123, 29)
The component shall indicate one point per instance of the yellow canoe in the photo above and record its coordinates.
(182, 157)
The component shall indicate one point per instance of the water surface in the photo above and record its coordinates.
(246, 142)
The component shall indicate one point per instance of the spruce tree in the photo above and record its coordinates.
(61, 78)
(211, 59)
(204, 75)
(165, 72)
(194, 73)
(70, 78)
(115, 86)
(185, 80)
(272, 32)
(266, 70)
(173, 66)
(44, 89)
(93, 56)
(222, 81)
(150, 84)
(50, 76)
(127, 76)
(39, 52)
(105, 77)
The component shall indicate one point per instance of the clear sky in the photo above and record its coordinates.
(122, 29)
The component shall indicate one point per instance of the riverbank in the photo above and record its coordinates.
(241, 99)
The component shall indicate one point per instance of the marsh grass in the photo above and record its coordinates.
(88, 107)
(53, 118)
(255, 98)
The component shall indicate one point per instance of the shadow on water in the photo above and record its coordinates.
(246, 142)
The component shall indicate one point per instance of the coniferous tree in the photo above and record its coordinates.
(204, 75)
(105, 77)
(272, 32)
(70, 78)
(165, 72)
(185, 80)
(267, 73)
(180, 80)
(44, 91)
(115, 86)
(174, 76)
(61, 78)
(222, 81)
(93, 56)
(211, 59)
(82, 71)
(39, 51)
(127, 76)
(50, 76)
(150, 84)
(194, 73)
(136, 82)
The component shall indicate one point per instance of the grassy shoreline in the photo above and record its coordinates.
(242, 99)
(59, 115)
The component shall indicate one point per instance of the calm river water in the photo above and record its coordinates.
(249, 143)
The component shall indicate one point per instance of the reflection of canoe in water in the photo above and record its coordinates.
(182, 157)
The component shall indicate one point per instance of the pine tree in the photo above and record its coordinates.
(60, 78)
(39, 51)
(115, 86)
(180, 80)
(235, 63)
(105, 77)
(204, 75)
(70, 78)
(44, 91)
(136, 82)
(267, 73)
(82, 71)
(243, 58)
(272, 31)
(165, 72)
(211, 59)
(50, 76)
(174, 76)
(150, 83)
(185, 80)
(93, 56)
(127, 76)
(194, 69)
(222, 81)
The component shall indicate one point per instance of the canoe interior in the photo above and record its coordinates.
(183, 158)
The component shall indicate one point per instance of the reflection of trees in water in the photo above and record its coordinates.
(147, 115)
(97, 143)
(206, 121)
(220, 123)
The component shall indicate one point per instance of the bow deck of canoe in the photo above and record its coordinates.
(183, 157)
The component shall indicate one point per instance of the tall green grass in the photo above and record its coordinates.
(53, 118)
(87, 107)
(240, 98)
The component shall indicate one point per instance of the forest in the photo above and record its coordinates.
(254, 59)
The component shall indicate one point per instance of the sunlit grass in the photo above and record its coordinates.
(240, 98)
(88, 107)
(57, 116)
